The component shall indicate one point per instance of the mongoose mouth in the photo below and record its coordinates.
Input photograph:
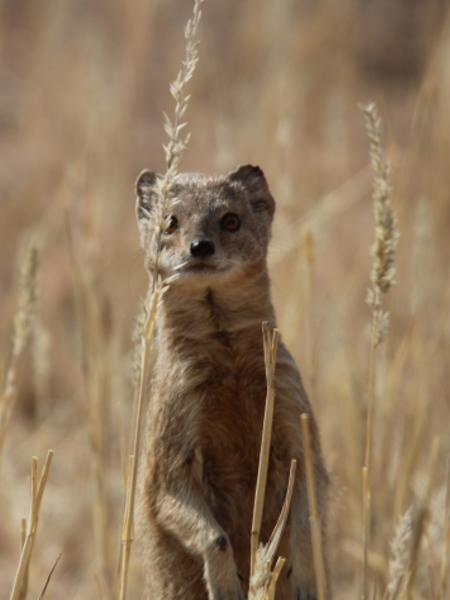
(197, 272)
(200, 267)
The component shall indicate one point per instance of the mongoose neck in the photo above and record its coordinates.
(231, 307)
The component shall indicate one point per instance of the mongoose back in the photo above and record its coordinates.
(207, 398)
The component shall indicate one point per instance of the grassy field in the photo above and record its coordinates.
(83, 89)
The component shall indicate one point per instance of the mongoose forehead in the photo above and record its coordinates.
(216, 226)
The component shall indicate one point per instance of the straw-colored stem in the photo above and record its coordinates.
(128, 518)
(92, 349)
(446, 534)
(263, 580)
(411, 454)
(314, 518)
(49, 576)
(7, 399)
(271, 590)
(308, 302)
(366, 471)
(277, 532)
(21, 332)
(406, 590)
(370, 396)
(270, 341)
(382, 278)
(126, 534)
(20, 584)
(419, 528)
(366, 511)
(421, 520)
(23, 531)
(173, 151)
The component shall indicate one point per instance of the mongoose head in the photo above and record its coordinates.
(215, 227)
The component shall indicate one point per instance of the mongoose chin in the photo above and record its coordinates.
(207, 397)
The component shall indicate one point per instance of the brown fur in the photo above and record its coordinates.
(207, 400)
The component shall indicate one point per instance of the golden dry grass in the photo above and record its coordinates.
(83, 89)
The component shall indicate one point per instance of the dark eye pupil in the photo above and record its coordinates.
(231, 222)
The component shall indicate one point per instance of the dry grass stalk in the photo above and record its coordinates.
(383, 252)
(407, 540)
(23, 531)
(28, 268)
(308, 303)
(93, 347)
(271, 591)
(263, 580)
(446, 536)
(400, 548)
(382, 278)
(270, 341)
(419, 525)
(49, 576)
(173, 152)
(20, 585)
(316, 537)
(411, 455)
(127, 530)
(177, 141)
(366, 510)
(420, 522)
(386, 233)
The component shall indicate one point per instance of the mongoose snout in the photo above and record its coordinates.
(202, 248)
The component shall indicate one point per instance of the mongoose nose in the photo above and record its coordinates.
(202, 248)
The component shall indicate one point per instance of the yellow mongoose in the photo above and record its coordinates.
(208, 390)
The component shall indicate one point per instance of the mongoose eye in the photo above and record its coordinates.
(171, 224)
(230, 222)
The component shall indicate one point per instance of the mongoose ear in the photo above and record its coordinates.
(253, 180)
(146, 193)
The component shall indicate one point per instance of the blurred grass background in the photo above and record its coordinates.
(82, 89)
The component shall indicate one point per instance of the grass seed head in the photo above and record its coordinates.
(383, 250)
